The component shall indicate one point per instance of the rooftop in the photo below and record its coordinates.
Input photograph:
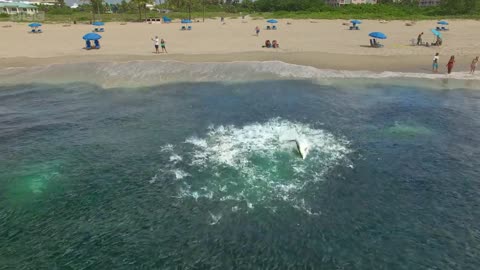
(19, 5)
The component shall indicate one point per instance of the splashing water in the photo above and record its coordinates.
(253, 165)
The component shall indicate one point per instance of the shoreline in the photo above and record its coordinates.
(320, 60)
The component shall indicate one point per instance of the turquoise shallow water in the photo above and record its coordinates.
(199, 176)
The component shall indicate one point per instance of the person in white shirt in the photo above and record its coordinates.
(156, 43)
(436, 58)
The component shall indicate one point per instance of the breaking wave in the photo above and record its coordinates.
(149, 73)
(254, 165)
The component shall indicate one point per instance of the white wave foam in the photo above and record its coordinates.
(215, 218)
(179, 174)
(153, 179)
(148, 73)
(175, 158)
(252, 165)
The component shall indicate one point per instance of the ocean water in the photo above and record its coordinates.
(167, 165)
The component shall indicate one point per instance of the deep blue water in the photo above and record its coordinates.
(171, 177)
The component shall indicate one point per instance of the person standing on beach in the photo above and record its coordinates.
(450, 64)
(473, 66)
(155, 43)
(164, 48)
(436, 58)
(419, 39)
(257, 30)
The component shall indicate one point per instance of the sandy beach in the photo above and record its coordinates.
(318, 43)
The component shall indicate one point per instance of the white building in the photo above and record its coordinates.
(13, 8)
(41, 2)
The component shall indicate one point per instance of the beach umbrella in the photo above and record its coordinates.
(436, 33)
(272, 21)
(35, 24)
(98, 23)
(356, 21)
(379, 35)
(443, 22)
(92, 36)
(185, 21)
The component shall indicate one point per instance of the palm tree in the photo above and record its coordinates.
(95, 5)
(142, 5)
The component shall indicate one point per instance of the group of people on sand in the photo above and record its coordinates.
(159, 42)
(451, 64)
(438, 41)
(274, 44)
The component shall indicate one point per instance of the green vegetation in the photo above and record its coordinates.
(128, 17)
(136, 10)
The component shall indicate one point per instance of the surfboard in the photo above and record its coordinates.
(303, 149)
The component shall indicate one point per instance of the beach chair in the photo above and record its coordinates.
(268, 27)
(189, 27)
(444, 28)
(39, 31)
(166, 19)
(97, 44)
(375, 44)
(95, 30)
(88, 45)
(183, 28)
(357, 28)
(274, 27)
(101, 30)
(439, 28)
(33, 31)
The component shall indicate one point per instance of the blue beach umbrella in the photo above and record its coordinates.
(186, 21)
(35, 24)
(98, 23)
(272, 21)
(379, 35)
(92, 36)
(356, 21)
(443, 22)
(436, 33)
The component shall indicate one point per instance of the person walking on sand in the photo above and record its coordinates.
(450, 64)
(164, 48)
(436, 58)
(155, 43)
(419, 39)
(473, 66)
(257, 30)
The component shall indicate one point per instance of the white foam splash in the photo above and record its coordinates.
(175, 158)
(179, 174)
(153, 179)
(215, 218)
(252, 165)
